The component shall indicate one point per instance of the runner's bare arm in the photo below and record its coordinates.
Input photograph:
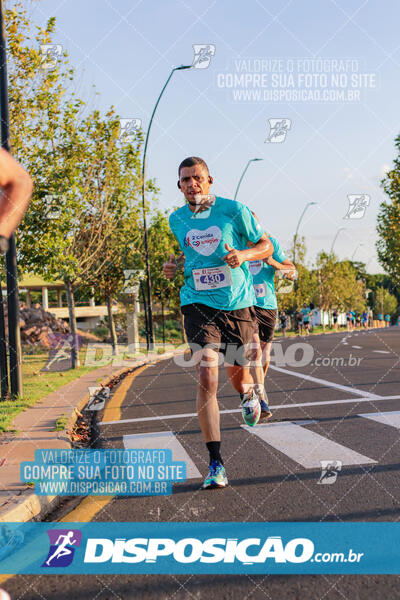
(16, 187)
(261, 249)
(287, 266)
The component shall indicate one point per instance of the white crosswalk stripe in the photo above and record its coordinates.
(391, 418)
(291, 438)
(306, 447)
(162, 440)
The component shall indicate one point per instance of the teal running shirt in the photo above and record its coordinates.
(202, 237)
(264, 277)
(306, 314)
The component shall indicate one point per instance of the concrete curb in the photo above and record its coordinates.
(27, 505)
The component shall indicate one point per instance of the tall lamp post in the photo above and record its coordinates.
(336, 236)
(150, 329)
(243, 174)
(357, 247)
(297, 228)
(14, 340)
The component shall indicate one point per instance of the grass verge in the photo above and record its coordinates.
(37, 385)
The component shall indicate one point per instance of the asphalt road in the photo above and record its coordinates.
(272, 476)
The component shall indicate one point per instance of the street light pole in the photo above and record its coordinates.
(297, 228)
(243, 174)
(357, 247)
(14, 340)
(336, 236)
(150, 332)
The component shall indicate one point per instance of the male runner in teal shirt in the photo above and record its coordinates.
(217, 297)
(307, 314)
(263, 272)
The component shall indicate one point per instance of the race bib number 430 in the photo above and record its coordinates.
(260, 290)
(212, 278)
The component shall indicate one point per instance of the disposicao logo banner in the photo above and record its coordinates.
(97, 548)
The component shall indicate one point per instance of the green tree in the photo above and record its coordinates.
(331, 284)
(162, 243)
(37, 106)
(298, 250)
(43, 129)
(388, 228)
(304, 288)
(122, 250)
(36, 94)
(328, 291)
(384, 302)
(375, 282)
(96, 253)
(89, 186)
(352, 288)
(83, 221)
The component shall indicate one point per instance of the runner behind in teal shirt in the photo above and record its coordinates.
(264, 277)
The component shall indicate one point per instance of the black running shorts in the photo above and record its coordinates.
(266, 319)
(227, 331)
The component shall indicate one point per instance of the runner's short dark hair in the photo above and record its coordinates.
(191, 161)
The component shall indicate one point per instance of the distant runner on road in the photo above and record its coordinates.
(335, 319)
(283, 320)
(217, 297)
(299, 320)
(307, 313)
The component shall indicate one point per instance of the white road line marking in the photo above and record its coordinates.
(238, 410)
(306, 447)
(358, 347)
(381, 351)
(391, 418)
(345, 388)
(163, 440)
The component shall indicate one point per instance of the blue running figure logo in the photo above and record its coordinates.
(61, 552)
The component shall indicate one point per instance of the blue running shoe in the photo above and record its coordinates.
(216, 477)
(265, 411)
(251, 409)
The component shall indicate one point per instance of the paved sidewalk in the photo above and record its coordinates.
(36, 430)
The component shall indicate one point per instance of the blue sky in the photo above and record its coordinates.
(332, 149)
